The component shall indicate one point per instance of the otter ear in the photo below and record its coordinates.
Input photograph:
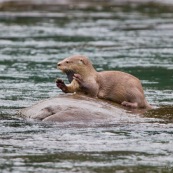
(82, 61)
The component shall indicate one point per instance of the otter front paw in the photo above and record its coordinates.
(60, 84)
(78, 78)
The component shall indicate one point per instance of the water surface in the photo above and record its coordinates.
(133, 39)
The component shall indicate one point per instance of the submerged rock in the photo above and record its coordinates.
(164, 112)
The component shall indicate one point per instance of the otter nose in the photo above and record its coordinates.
(58, 64)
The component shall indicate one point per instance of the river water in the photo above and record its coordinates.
(137, 39)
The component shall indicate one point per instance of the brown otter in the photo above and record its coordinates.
(116, 86)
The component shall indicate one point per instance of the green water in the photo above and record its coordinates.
(135, 39)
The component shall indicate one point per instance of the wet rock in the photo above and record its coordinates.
(73, 107)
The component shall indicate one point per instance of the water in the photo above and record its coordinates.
(135, 39)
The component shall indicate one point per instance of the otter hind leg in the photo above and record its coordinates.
(130, 104)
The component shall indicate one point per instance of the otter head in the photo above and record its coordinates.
(76, 64)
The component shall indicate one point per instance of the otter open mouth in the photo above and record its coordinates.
(70, 75)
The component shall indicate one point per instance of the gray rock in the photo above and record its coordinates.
(72, 107)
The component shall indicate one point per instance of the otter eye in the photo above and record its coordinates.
(67, 62)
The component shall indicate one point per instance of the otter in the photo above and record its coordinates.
(116, 86)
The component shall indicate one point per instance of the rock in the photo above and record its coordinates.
(73, 107)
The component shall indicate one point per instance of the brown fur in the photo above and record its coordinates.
(116, 86)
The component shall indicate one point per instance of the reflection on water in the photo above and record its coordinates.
(135, 39)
